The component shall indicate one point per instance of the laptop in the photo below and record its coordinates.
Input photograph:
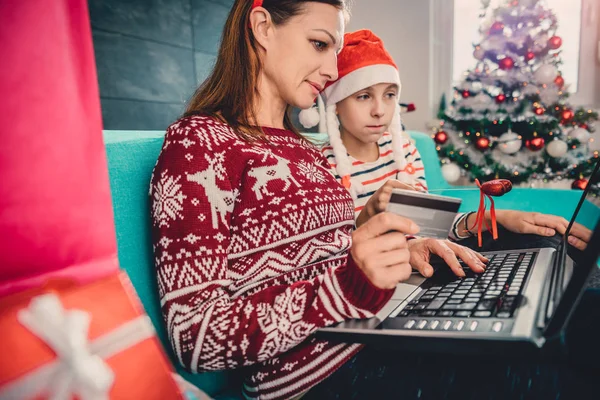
(520, 305)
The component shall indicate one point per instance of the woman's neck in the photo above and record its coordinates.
(269, 106)
(366, 152)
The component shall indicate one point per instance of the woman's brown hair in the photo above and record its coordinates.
(231, 88)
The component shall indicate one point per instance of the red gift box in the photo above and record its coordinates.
(89, 341)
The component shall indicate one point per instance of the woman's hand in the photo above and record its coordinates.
(380, 199)
(543, 225)
(421, 250)
(380, 250)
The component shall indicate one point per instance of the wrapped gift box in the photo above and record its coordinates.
(90, 341)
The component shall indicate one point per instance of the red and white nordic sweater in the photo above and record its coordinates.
(251, 245)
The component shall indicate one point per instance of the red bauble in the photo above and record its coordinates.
(567, 115)
(529, 56)
(500, 98)
(559, 81)
(579, 184)
(555, 42)
(441, 137)
(465, 93)
(539, 111)
(497, 187)
(496, 28)
(535, 144)
(584, 126)
(506, 63)
(482, 143)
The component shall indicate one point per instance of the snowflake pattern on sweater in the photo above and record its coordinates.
(251, 245)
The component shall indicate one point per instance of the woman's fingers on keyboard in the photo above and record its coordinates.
(442, 248)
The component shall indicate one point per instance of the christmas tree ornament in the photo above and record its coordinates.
(482, 143)
(580, 134)
(579, 184)
(545, 74)
(479, 53)
(554, 42)
(451, 172)
(535, 144)
(559, 81)
(497, 28)
(567, 115)
(549, 95)
(465, 94)
(408, 107)
(506, 63)
(539, 110)
(510, 142)
(496, 187)
(440, 137)
(500, 98)
(556, 148)
(529, 56)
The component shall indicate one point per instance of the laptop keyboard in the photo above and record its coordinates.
(494, 293)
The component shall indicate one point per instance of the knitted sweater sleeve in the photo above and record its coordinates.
(209, 327)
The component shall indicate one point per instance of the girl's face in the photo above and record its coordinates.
(301, 55)
(368, 113)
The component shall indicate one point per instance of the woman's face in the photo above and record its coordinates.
(301, 54)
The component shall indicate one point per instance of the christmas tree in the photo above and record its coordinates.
(510, 117)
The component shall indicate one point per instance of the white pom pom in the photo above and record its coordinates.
(451, 172)
(309, 117)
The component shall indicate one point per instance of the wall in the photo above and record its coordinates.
(403, 25)
(151, 55)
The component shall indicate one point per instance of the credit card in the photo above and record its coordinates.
(433, 213)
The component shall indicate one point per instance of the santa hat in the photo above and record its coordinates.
(363, 62)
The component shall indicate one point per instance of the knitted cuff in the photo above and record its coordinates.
(358, 290)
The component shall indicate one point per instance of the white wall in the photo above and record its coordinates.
(403, 25)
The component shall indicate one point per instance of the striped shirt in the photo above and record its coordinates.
(373, 175)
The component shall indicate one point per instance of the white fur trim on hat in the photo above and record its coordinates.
(360, 79)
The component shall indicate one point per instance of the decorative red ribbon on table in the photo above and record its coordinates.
(496, 187)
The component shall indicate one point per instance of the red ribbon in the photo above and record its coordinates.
(480, 220)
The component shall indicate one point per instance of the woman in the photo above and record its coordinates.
(253, 238)
(252, 234)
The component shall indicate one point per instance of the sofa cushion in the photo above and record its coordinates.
(131, 157)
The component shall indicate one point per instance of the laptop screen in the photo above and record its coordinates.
(587, 212)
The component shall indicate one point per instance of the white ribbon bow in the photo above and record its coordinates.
(79, 372)
(79, 368)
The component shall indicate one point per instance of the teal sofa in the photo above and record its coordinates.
(131, 156)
